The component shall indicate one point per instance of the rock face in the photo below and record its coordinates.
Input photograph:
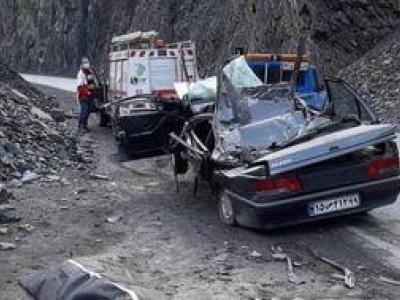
(376, 77)
(51, 36)
(32, 143)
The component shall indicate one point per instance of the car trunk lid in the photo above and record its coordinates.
(326, 147)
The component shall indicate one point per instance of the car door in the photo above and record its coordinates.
(346, 102)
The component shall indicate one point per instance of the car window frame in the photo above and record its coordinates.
(358, 101)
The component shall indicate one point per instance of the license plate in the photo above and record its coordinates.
(334, 205)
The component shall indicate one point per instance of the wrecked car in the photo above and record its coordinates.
(275, 158)
(142, 103)
(142, 123)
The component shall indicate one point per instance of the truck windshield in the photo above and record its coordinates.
(241, 75)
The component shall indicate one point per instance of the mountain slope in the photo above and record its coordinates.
(375, 76)
(51, 36)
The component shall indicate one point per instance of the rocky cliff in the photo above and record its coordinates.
(376, 77)
(51, 36)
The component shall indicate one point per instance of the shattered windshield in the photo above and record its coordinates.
(240, 74)
(256, 116)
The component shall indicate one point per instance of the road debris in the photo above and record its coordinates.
(26, 227)
(56, 113)
(85, 152)
(388, 280)
(7, 246)
(9, 214)
(52, 178)
(348, 276)
(65, 182)
(3, 230)
(30, 176)
(278, 254)
(80, 191)
(98, 176)
(255, 254)
(114, 219)
(41, 114)
(14, 183)
(5, 195)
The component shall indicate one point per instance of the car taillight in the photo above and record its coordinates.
(287, 184)
(382, 166)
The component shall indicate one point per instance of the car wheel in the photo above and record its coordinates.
(179, 164)
(225, 209)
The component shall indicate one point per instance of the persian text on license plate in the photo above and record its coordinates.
(334, 205)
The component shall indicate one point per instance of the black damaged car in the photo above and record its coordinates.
(274, 159)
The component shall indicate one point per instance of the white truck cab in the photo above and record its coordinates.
(141, 64)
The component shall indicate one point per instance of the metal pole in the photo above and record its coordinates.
(305, 28)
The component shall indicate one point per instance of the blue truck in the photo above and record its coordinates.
(279, 68)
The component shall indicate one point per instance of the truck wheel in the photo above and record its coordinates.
(104, 118)
(179, 164)
(225, 209)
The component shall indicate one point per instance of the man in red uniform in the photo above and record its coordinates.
(85, 93)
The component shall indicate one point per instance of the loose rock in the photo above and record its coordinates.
(30, 177)
(9, 214)
(31, 141)
(5, 195)
(7, 246)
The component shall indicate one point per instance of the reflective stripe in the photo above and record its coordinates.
(97, 275)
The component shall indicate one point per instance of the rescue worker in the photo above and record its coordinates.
(85, 93)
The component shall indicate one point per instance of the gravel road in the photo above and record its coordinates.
(172, 245)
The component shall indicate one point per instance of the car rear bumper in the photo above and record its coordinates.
(295, 210)
(146, 132)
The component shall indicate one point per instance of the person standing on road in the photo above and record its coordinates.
(84, 94)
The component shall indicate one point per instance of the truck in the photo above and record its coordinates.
(140, 63)
(143, 104)
(280, 68)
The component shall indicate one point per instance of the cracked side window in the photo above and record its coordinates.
(345, 102)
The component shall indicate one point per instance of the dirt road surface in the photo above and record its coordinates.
(173, 246)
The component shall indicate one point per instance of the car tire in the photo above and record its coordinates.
(226, 210)
(179, 164)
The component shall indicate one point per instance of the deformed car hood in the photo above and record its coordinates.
(326, 147)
